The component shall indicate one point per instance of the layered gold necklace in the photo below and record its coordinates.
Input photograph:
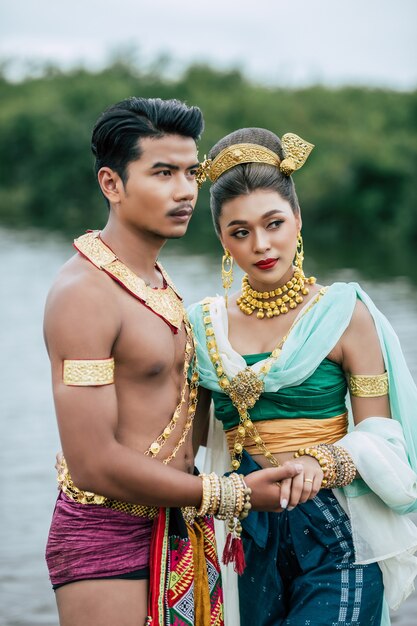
(276, 302)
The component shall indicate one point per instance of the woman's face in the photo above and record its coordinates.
(260, 231)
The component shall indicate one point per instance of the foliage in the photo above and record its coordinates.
(358, 183)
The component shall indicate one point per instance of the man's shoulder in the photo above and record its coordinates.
(77, 277)
(79, 288)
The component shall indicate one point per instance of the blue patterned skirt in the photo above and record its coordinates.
(300, 568)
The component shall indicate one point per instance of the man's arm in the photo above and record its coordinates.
(82, 322)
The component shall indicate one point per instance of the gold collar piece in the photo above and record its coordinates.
(164, 302)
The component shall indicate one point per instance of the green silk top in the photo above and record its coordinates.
(320, 396)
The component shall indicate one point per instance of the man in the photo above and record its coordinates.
(120, 351)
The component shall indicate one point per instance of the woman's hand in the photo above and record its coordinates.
(304, 486)
(266, 487)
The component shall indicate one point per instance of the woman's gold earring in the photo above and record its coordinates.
(299, 255)
(227, 272)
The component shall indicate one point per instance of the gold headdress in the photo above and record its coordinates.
(296, 152)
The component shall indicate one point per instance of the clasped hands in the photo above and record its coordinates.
(283, 487)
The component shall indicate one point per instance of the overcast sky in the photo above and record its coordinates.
(288, 42)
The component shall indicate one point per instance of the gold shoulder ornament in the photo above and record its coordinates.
(164, 301)
(296, 151)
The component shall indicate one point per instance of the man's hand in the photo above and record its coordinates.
(266, 490)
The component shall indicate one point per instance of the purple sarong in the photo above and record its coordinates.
(88, 541)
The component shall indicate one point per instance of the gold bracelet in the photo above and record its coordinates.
(368, 386)
(345, 467)
(206, 498)
(338, 467)
(324, 458)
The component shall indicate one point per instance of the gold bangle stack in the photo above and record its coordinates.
(336, 463)
(225, 497)
(345, 469)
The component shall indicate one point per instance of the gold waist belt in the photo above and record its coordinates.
(287, 435)
(87, 497)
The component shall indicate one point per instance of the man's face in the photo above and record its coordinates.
(161, 191)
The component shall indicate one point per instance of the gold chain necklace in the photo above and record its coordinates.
(160, 441)
(246, 387)
(268, 304)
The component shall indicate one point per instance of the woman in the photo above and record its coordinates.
(280, 359)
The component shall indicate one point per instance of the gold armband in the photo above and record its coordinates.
(88, 373)
(368, 386)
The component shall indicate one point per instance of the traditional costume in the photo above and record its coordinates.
(333, 557)
(93, 537)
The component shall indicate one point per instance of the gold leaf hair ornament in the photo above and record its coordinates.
(203, 171)
(296, 152)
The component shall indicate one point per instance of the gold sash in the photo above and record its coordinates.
(287, 435)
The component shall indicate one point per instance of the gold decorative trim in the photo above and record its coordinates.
(87, 497)
(88, 372)
(241, 153)
(165, 302)
(368, 386)
(190, 386)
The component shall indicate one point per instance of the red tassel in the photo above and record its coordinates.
(233, 553)
(227, 551)
(239, 556)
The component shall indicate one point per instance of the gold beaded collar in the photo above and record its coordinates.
(289, 295)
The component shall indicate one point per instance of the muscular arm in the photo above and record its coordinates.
(362, 355)
(82, 322)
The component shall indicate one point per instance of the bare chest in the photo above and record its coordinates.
(146, 346)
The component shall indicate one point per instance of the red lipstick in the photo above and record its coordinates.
(266, 264)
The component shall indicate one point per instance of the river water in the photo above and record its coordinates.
(29, 437)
